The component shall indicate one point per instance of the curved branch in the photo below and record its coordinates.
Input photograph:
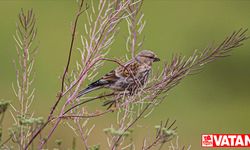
(86, 116)
(86, 101)
(79, 12)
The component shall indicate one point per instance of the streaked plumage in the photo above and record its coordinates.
(129, 77)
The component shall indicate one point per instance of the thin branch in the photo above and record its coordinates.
(180, 67)
(79, 12)
(131, 124)
(6, 141)
(86, 101)
(162, 136)
(36, 134)
(86, 116)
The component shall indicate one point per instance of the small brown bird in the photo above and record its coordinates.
(128, 77)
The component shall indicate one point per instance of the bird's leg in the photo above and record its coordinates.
(112, 104)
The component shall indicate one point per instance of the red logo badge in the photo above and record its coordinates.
(225, 140)
(207, 140)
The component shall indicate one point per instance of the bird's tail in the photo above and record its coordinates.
(87, 90)
(93, 86)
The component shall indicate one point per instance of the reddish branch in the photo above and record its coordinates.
(79, 12)
(86, 101)
(86, 116)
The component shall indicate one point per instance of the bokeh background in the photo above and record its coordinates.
(215, 101)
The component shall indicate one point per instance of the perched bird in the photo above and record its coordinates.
(127, 77)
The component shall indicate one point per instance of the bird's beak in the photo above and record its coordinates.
(156, 59)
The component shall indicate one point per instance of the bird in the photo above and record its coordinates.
(127, 77)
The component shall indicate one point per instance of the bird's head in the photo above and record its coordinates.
(147, 57)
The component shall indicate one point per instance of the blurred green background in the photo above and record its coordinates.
(215, 101)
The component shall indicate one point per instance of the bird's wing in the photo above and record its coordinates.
(110, 77)
(129, 69)
(105, 80)
(120, 72)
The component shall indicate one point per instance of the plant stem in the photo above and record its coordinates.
(136, 119)
(80, 11)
